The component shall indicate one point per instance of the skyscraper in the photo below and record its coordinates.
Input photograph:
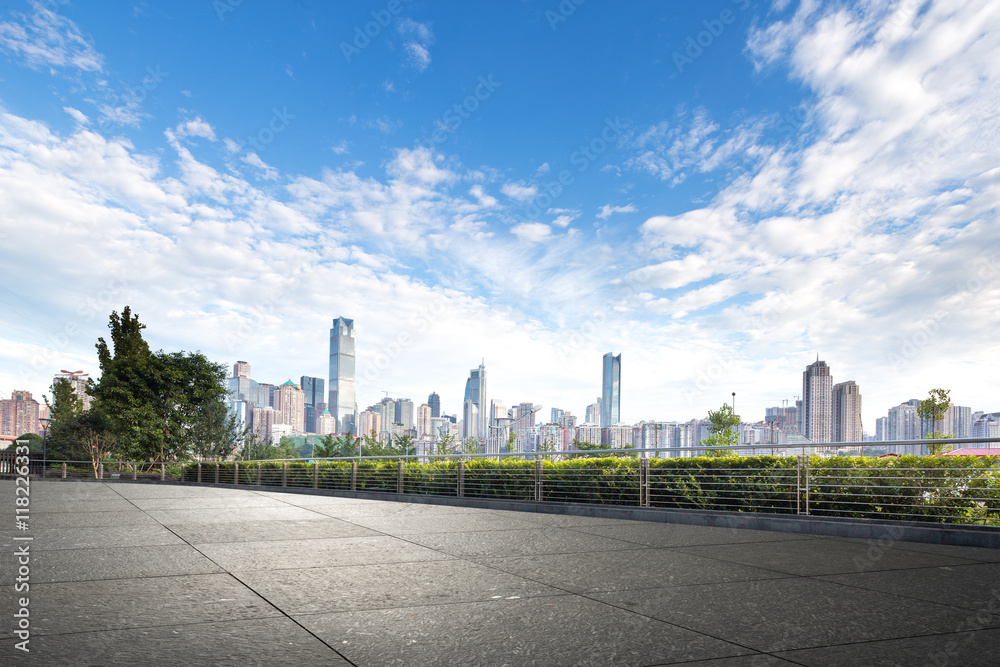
(611, 390)
(403, 413)
(817, 402)
(241, 369)
(315, 396)
(342, 404)
(435, 402)
(19, 415)
(847, 412)
(475, 394)
(290, 404)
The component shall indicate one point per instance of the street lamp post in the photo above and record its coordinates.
(44, 421)
(737, 423)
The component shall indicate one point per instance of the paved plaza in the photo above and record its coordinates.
(164, 574)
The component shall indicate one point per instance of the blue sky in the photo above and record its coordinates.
(719, 191)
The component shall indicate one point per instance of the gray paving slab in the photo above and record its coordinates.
(652, 534)
(361, 587)
(630, 570)
(269, 641)
(974, 587)
(783, 614)
(296, 554)
(269, 531)
(97, 537)
(968, 553)
(442, 523)
(557, 520)
(755, 660)
(969, 648)
(204, 503)
(822, 556)
(138, 491)
(543, 631)
(80, 506)
(91, 606)
(110, 563)
(134, 517)
(503, 543)
(224, 514)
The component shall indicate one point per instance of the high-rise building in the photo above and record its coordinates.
(475, 394)
(370, 421)
(290, 404)
(263, 419)
(611, 389)
(881, 429)
(315, 396)
(847, 412)
(817, 402)
(424, 421)
(19, 415)
(342, 404)
(241, 369)
(403, 413)
(957, 421)
(435, 402)
(902, 422)
(592, 415)
(77, 380)
(325, 423)
(556, 416)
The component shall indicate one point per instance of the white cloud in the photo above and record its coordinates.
(340, 148)
(543, 168)
(520, 191)
(266, 171)
(534, 232)
(608, 210)
(46, 39)
(419, 56)
(77, 115)
(419, 37)
(196, 127)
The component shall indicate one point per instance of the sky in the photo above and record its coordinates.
(722, 192)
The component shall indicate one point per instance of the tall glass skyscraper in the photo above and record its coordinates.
(611, 390)
(475, 413)
(343, 404)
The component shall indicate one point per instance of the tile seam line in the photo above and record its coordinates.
(258, 594)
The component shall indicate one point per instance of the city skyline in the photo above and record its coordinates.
(798, 178)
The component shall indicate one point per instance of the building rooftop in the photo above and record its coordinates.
(167, 574)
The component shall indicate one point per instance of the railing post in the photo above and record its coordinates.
(64, 470)
(807, 485)
(259, 466)
(354, 475)
(284, 473)
(199, 472)
(315, 474)
(216, 472)
(644, 482)
(538, 479)
(461, 479)
(100, 471)
(236, 473)
(135, 467)
(163, 471)
(399, 476)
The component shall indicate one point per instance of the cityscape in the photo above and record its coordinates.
(823, 412)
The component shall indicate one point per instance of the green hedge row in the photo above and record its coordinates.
(944, 489)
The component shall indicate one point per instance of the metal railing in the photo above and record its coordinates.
(816, 482)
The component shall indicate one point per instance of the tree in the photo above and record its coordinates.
(253, 448)
(471, 446)
(511, 443)
(722, 431)
(286, 449)
(63, 432)
(934, 408)
(403, 446)
(445, 444)
(546, 446)
(35, 442)
(342, 446)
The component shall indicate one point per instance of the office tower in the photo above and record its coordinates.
(611, 390)
(263, 420)
(902, 422)
(342, 403)
(387, 413)
(555, 416)
(19, 415)
(475, 393)
(817, 402)
(241, 369)
(439, 425)
(315, 396)
(403, 413)
(881, 429)
(435, 402)
(957, 421)
(290, 404)
(77, 380)
(567, 421)
(986, 426)
(847, 412)
(264, 393)
(592, 415)
(589, 433)
(424, 420)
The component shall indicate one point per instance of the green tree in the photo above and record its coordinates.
(511, 443)
(403, 446)
(722, 431)
(35, 442)
(253, 448)
(445, 444)
(343, 446)
(471, 446)
(63, 433)
(934, 408)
